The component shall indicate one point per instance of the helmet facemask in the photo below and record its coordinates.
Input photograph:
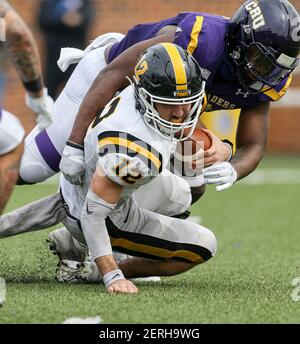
(179, 131)
(260, 68)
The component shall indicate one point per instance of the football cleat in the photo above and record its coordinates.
(62, 244)
(70, 271)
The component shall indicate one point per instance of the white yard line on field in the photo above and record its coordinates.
(95, 320)
(258, 177)
(273, 176)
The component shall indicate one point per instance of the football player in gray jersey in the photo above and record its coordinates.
(128, 146)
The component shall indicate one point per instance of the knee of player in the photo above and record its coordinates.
(178, 191)
(208, 242)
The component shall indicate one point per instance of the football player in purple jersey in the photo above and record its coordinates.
(248, 58)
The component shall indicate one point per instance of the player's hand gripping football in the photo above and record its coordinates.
(218, 152)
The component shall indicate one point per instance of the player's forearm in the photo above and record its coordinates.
(106, 264)
(100, 201)
(7, 183)
(9, 171)
(94, 213)
(96, 234)
(247, 158)
(24, 53)
(95, 231)
(251, 139)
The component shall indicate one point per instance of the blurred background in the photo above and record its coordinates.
(54, 27)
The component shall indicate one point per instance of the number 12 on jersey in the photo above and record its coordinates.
(126, 174)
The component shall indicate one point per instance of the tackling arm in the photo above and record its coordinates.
(9, 171)
(251, 141)
(252, 135)
(110, 80)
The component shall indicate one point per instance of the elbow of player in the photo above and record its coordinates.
(208, 241)
(115, 78)
(18, 34)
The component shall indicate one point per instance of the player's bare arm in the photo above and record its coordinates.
(104, 194)
(25, 57)
(109, 81)
(22, 47)
(9, 167)
(252, 136)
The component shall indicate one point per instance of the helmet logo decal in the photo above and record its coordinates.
(184, 93)
(255, 14)
(141, 69)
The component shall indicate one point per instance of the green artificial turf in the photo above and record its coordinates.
(248, 281)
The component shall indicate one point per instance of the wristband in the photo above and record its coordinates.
(75, 145)
(34, 86)
(230, 145)
(112, 277)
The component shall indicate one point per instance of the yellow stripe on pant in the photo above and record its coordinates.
(156, 251)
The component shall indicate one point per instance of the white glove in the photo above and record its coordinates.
(72, 164)
(222, 174)
(43, 107)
